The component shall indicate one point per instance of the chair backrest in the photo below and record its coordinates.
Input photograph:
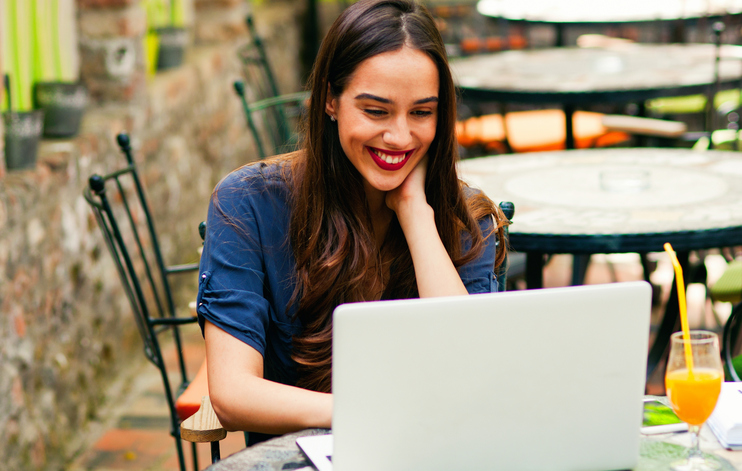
(271, 117)
(508, 210)
(274, 121)
(731, 338)
(256, 67)
(123, 215)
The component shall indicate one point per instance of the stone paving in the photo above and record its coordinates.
(138, 438)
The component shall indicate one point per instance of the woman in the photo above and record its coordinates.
(370, 208)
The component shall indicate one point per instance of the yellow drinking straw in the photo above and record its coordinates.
(683, 306)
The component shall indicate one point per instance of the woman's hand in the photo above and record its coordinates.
(412, 189)
(435, 273)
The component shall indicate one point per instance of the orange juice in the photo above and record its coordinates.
(693, 397)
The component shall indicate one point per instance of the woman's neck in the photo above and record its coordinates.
(381, 214)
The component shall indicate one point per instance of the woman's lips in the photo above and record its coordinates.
(388, 160)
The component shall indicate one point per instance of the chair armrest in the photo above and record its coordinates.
(644, 126)
(184, 268)
(203, 426)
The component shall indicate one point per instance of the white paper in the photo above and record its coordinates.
(726, 420)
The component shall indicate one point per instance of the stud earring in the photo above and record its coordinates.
(332, 118)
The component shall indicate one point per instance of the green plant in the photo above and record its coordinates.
(39, 45)
(164, 13)
(55, 41)
(18, 43)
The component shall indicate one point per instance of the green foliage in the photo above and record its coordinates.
(39, 45)
(17, 46)
(163, 13)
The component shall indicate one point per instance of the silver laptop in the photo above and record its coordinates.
(549, 379)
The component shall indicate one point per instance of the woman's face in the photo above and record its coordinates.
(387, 116)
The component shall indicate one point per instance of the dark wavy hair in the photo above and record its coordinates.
(337, 258)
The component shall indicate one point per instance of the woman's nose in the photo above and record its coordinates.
(398, 133)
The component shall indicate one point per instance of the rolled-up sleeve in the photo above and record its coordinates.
(232, 274)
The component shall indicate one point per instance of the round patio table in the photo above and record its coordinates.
(655, 453)
(587, 12)
(619, 200)
(580, 77)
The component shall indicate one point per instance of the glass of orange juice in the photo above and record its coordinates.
(693, 382)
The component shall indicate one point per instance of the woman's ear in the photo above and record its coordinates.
(330, 103)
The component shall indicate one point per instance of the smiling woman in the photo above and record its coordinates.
(371, 208)
(386, 117)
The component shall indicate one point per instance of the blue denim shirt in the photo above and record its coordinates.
(247, 270)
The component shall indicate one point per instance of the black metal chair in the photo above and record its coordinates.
(122, 212)
(256, 67)
(273, 121)
(514, 265)
(730, 344)
(728, 289)
(272, 118)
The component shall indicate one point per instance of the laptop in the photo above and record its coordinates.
(548, 380)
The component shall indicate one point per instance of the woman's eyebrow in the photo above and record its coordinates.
(368, 96)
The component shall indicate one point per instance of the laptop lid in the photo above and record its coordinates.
(549, 379)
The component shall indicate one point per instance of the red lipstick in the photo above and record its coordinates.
(404, 155)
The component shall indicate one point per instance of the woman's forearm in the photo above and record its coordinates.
(259, 405)
(434, 270)
(243, 400)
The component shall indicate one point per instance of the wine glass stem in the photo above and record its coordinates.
(695, 450)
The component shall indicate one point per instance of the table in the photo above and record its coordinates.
(572, 77)
(587, 12)
(655, 453)
(692, 199)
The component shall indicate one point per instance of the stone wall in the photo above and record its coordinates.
(66, 330)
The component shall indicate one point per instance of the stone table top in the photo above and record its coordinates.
(655, 453)
(645, 194)
(572, 75)
(590, 11)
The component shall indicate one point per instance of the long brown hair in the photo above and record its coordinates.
(330, 229)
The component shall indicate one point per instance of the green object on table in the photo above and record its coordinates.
(656, 455)
(658, 414)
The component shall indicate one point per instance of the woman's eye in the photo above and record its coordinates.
(375, 112)
(422, 113)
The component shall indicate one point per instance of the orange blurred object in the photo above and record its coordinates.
(536, 130)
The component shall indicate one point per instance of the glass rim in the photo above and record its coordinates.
(696, 336)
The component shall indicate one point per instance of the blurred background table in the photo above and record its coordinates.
(581, 77)
(586, 12)
(692, 199)
(655, 453)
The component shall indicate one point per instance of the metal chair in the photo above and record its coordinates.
(123, 215)
(514, 265)
(730, 344)
(271, 117)
(273, 121)
(728, 288)
(256, 67)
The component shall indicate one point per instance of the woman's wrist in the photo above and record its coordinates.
(412, 213)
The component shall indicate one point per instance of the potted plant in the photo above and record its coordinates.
(57, 88)
(167, 37)
(23, 125)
